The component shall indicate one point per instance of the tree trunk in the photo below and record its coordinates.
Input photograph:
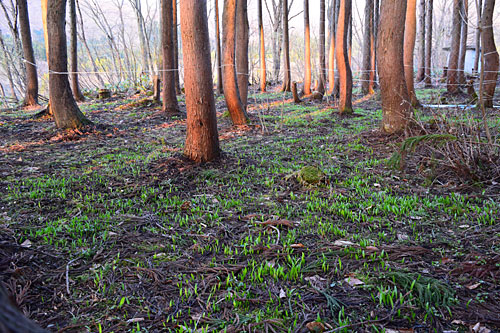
(12, 320)
(428, 44)
(167, 44)
(287, 80)
(87, 48)
(176, 50)
(336, 84)
(479, 9)
(464, 13)
(322, 59)
(409, 47)
(396, 108)
(7, 64)
(218, 55)
(367, 49)
(307, 47)
(421, 38)
(331, 51)
(202, 140)
(231, 92)
(62, 104)
(146, 65)
(345, 73)
(77, 93)
(376, 24)
(242, 50)
(491, 60)
(263, 79)
(452, 82)
(31, 97)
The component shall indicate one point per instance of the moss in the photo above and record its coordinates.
(310, 175)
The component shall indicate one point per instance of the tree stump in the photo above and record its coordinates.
(104, 93)
(296, 97)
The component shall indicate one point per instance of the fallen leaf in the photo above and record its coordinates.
(26, 244)
(297, 246)
(135, 320)
(353, 282)
(315, 327)
(458, 322)
(473, 286)
(343, 243)
(282, 293)
(372, 248)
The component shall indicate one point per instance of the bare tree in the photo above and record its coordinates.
(31, 95)
(368, 41)
(307, 47)
(62, 104)
(231, 92)
(167, 43)
(77, 93)
(322, 59)
(343, 65)
(263, 79)
(144, 44)
(287, 80)
(464, 15)
(452, 85)
(490, 58)
(428, 44)
(421, 39)
(217, 49)
(396, 108)
(242, 39)
(202, 140)
(409, 47)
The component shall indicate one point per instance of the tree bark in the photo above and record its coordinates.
(344, 68)
(464, 14)
(452, 85)
(287, 80)
(396, 108)
(231, 92)
(479, 9)
(421, 38)
(322, 59)
(409, 48)
(167, 44)
(491, 58)
(176, 50)
(218, 55)
(428, 44)
(31, 96)
(242, 50)
(202, 140)
(367, 49)
(331, 51)
(77, 93)
(307, 47)
(12, 320)
(66, 113)
(263, 79)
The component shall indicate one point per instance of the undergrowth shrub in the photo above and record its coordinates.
(451, 146)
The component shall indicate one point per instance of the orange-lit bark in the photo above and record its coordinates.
(202, 140)
(344, 68)
(409, 48)
(231, 92)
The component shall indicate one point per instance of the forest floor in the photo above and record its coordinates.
(112, 230)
